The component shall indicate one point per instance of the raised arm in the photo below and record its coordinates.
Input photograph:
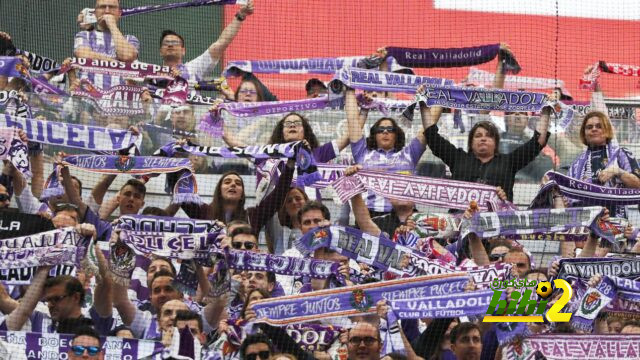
(543, 125)
(71, 192)
(355, 121)
(102, 187)
(269, 205)
(478, 252)
(430, 116)
(103, 293)
(360, 210)
(37, 170)
(216, 50)
(27, 305)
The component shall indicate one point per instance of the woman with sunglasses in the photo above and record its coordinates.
(384, 149)
(604, 163)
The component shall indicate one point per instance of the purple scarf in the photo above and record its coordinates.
(118, 100)
(308, 65)
(377, 251)
(453, 57)
(15, 150)
(11, 66)
(590, 193)
(77, 136)
(137, 71)
(419, 189)
(149, 223)
(283, 265)
(353, 300)
(585, 268)
(140, 165)
(31, 345)
(56, 247)
(575, 347)
(153, 8)
(212, 123)
(373, 80)
(447, 306)
(486, 225)
(39, 63)
(196, 246)
(477, 99)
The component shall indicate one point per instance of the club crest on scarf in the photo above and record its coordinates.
(360, 300)
(22, 69)
(121, 259)
(319, 237)
(125, 163)
(591, 302)
(303, 159)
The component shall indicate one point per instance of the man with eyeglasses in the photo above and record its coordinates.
(106, 42)
(364, 342)
(85, 345)
(173, 50)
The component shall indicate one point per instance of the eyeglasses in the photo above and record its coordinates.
(240, 244)
(368, 340)
(597, 126)
(496, 257)
(171, 43)
(294, 123)
(261, 355)
(382, 129)
(55, 299)
(247, 91)
(79, 350)
(5, 197)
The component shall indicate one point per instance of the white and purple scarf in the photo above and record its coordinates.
(353, 300)
(137, 71)
(92, 138)
(56, 247)
(12, 148)
(447, 193)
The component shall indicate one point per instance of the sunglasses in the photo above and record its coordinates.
(368, 340)
(382, 129)
(262, 355)
(79, 350)
(496, 257)
(5, 197)
(239, 245)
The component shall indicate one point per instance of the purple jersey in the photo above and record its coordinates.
(404, 161)
(101, 42)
